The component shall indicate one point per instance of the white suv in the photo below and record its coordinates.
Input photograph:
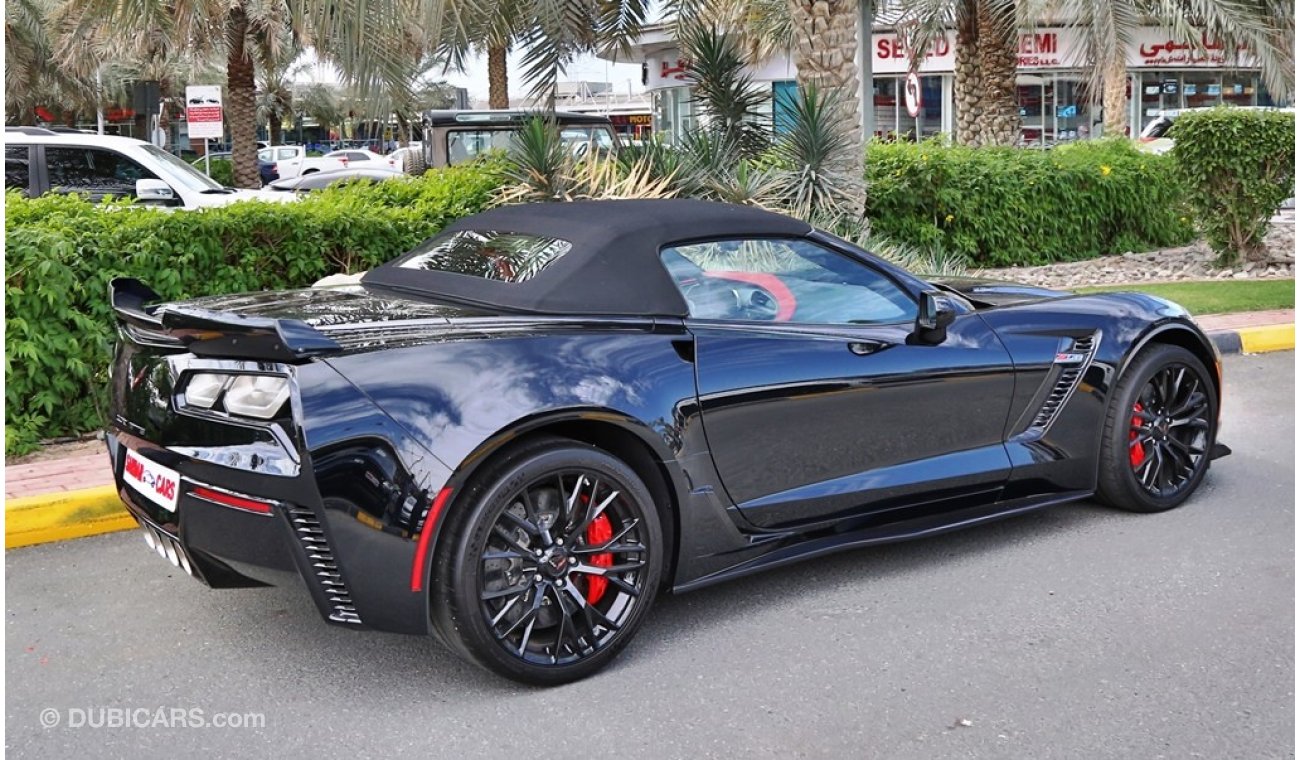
(39, 161)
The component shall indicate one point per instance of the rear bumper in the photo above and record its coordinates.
(226, 547)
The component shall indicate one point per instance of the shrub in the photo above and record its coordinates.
(222, 171)
(1239, 165)
(1012, 206)
(62, 251)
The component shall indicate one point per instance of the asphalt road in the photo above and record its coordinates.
(1073, 633)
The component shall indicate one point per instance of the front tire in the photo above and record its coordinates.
(552, 564)
(1160, 429)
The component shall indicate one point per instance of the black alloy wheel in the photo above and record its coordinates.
(1160, 430)
(554, 566)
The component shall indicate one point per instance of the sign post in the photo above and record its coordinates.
(203, 117)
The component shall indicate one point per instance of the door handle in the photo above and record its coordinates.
(866, 347)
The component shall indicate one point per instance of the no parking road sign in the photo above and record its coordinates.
(912, 94)
(203, 111)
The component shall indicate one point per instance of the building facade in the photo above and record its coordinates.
(1051, 84)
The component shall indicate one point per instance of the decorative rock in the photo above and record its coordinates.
(1191, 262)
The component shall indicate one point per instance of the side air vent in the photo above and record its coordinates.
(1073, 362)
(326, 571)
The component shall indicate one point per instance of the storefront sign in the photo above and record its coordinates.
(1154, 48)
(630, 119)
(1043, 49)
(1040, 50)
(1055, 49)
(892, 55)
(666, 70)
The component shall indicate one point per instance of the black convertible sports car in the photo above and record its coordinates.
(517, 434)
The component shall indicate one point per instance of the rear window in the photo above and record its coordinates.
(500, 256)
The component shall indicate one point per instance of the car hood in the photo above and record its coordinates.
(994, 293)
(213, 200)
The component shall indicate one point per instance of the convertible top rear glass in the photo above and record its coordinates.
(579, 258)
(502, 256)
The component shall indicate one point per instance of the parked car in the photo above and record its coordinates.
(263, 163)
(518, 433)
(288, 161)
(359, 157)
(452, 137)
(408, 159)
(319, 180)
(1154, 137)
(39, 161)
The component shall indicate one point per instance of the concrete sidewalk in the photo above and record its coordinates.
(74, 496)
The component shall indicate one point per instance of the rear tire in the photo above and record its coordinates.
(519, 585)
(1160, 428)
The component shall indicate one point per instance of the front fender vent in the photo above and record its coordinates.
(1073, 362)
(325, 571)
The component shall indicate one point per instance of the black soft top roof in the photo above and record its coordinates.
(613, 267)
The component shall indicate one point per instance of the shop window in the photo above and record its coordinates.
(884, 98)
(1201, 89)
(783, 104)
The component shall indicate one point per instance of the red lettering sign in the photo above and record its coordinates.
(894, 47)
(1039, 44)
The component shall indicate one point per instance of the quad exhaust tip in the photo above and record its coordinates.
(167, 547)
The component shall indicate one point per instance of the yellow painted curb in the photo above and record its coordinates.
(1257, 340)
(32, 520)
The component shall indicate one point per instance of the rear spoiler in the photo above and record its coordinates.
(208, 332)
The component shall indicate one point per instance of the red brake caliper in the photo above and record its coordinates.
(599, 532)
(1137, 454)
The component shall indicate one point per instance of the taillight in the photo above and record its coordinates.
(242, 503)
(345, 162)
(1146, 139)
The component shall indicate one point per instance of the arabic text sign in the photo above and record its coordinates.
(203, 112)
(1155, 48)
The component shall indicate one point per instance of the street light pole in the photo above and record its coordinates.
(99, 100)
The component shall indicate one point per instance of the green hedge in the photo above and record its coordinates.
(62, 251)
(1012, 206)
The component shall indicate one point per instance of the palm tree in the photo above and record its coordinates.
(984, 78)
(826, 41)
(321, 103)
(276, 71)
(498, 77)
(1264, 30)
(232, 29)
(550, 35)
(31, 77)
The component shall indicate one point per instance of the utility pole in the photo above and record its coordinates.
(99, 100)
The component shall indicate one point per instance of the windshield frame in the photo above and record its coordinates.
(180, 172)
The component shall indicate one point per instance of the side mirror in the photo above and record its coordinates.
(936, 312)
(153, 190)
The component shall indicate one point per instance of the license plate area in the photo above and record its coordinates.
(160, 485)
